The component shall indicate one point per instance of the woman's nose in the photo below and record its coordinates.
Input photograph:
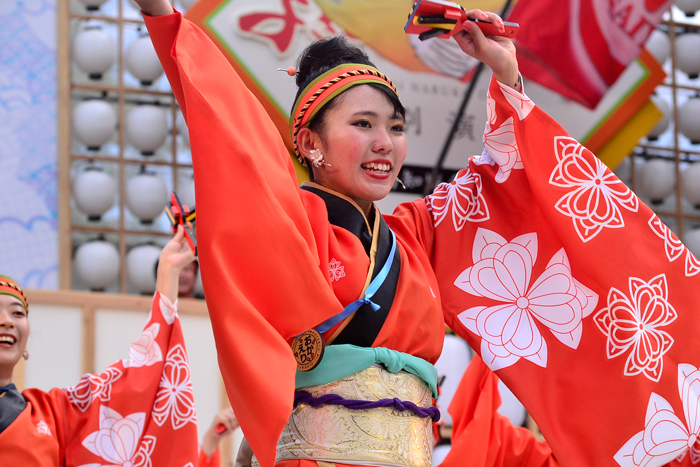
(383, 143)
(5, 319)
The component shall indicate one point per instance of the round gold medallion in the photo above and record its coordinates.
(308, 350)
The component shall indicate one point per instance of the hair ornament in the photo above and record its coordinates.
(291, 71)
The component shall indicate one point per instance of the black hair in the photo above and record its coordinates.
(326, 54)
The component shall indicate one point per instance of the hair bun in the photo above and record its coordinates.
(325, 54)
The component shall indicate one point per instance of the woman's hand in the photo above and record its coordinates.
(496, 52)
(176, 254)
(155, 7)
(211, 439)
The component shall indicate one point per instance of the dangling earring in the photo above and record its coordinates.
(317, 158)
(25, 355)
(400, 183)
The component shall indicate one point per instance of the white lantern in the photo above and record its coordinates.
(146, 196)
(94, 51)
(146, 128)
(624, 170)
(656, 179)
(142, 62)
(690, 184)
(689, 119)
(181, 126)
(141, 268)
(186, 4)
(93, 5)
(185, 191)
(659, 46)
(688, 54)
(94, 192)
(689, 7)
(94, 123)
(691, 239)
(97, 264)
(452, 364)
(662, 125)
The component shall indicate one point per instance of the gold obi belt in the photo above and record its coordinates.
(380, 436)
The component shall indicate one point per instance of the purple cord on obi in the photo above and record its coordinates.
(303, 397)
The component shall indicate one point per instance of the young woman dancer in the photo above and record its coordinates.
(518, 255)
(139, 412)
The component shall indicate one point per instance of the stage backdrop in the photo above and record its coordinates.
(259, 36)
(28, 235)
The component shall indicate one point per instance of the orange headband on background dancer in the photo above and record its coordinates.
(327, 86)
(10, 287)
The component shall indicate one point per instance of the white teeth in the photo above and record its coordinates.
(7, 340)
(377, 167)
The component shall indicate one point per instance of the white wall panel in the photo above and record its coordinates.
(204, 368)
(114, 333)
(55, 344)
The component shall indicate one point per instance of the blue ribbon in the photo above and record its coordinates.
(369, 293)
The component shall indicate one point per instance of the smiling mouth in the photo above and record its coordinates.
(7, 340)
(377, 168)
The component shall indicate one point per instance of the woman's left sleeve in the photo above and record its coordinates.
(572, 290)
(140, 410)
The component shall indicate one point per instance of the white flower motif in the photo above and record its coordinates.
(118, 441)
(500, 144)
(167, 309)
(174, 398)
(597, 195)
(335, 270)
(502, 272)
(462, 197)
(43, 428)
(692, 265)
(145, 350)
(635, 323)
(665, 436)
(92, 387)
(674, 247)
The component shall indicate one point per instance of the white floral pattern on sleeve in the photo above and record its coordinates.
(635, 324)
(92, 387)
(502, 272)
(118, 440)
(674, 247)
(462, 198)
(145, 350)
(665, 436)
(596, 194)
(175, 399)
(500, 144)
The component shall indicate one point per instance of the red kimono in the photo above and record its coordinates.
(138, 413)
(537, 254)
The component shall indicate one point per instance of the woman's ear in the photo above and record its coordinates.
(307, 141)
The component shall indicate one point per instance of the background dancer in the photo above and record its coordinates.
(124, 416)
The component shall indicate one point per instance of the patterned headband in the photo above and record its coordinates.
(10, 287)
(324, 88)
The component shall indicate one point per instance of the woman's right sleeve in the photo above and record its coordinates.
(262, 245)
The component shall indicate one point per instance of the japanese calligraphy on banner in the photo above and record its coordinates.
(580, 47)
(260, 36)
